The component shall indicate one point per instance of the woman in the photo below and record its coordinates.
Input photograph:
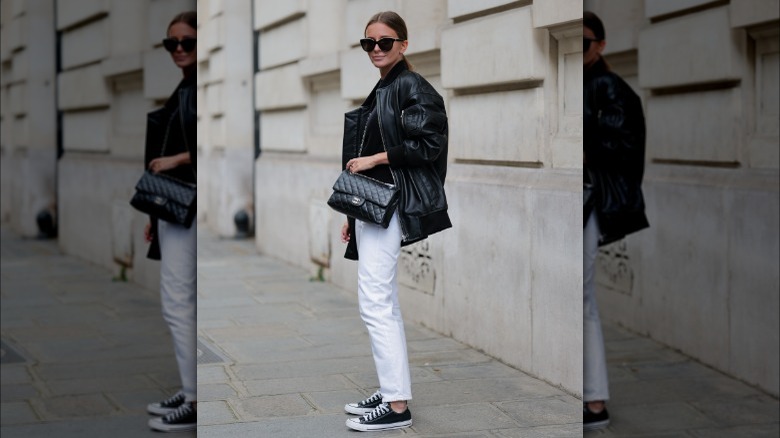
(399, 136)
(614, 151)
(175, 245)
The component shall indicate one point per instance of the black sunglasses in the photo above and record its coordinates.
(384, 44)
(586, 43)
(187, 44)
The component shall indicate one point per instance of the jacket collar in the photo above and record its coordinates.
(396, 71)
(597, 69)
(188, 81)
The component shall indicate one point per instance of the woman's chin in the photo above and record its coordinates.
(184, 65)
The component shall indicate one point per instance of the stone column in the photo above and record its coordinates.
(225, 114)
(28, 143)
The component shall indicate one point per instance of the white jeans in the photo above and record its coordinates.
(178, 248)
(595, 386)
(378, 249)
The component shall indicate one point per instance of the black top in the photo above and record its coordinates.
(372, 145)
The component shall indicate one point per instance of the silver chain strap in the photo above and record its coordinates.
(365, 130)
(167, 131)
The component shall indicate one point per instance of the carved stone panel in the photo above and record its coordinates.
(415, 268)
(613, 268)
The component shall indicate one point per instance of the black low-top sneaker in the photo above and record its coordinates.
(594, 421)
(182, 419)
(381, 418)
(365, 406)
(166, 406)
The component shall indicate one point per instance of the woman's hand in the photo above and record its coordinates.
(148, 232)
(160, 164)
(360, 164)
(345, 232)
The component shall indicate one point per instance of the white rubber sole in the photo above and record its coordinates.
(356, 425)
(158, 410)
(158, 425)
(356, 410)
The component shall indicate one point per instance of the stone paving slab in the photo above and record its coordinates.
(543, 412)
(314, 426)
(96, 351)
(658, 392)
(299, 351)
(126, 426)
(753, 431)
(568, 431)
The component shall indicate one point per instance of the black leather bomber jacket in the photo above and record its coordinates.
(413, 128)
(188, 105)
(185, 96)
(614, 149)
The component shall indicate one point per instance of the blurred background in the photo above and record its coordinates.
(84, 345)
(703, 279)
(77, 82)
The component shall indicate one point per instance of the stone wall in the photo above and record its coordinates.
(112, 71)
(507, 277)
(28, 129)
(704, 278)
(225, 114)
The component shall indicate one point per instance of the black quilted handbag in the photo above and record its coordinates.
(365, 199)
(165, 197)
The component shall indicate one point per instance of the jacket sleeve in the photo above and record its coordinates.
(615, 129)
(190, 108)
(424, 126)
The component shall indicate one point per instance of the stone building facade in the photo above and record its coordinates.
(28, 117)
(275, 79)
(704, 277)
(507, 277)
(77, 81)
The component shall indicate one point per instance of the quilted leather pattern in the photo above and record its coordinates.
(364, 198)
(165, 198)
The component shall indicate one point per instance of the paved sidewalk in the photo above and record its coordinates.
(657, 392)
(91, 352)
(281, 355)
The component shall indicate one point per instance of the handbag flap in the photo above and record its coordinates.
(168, 187)
(361, 186)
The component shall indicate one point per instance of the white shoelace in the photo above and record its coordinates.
(377, 412)
(181, 412)
(374, 397)
(176, 399)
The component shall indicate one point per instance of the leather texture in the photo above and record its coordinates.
(414, 132)
(165, 198)
(364, 198)
(157, 123)
(614, 149)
